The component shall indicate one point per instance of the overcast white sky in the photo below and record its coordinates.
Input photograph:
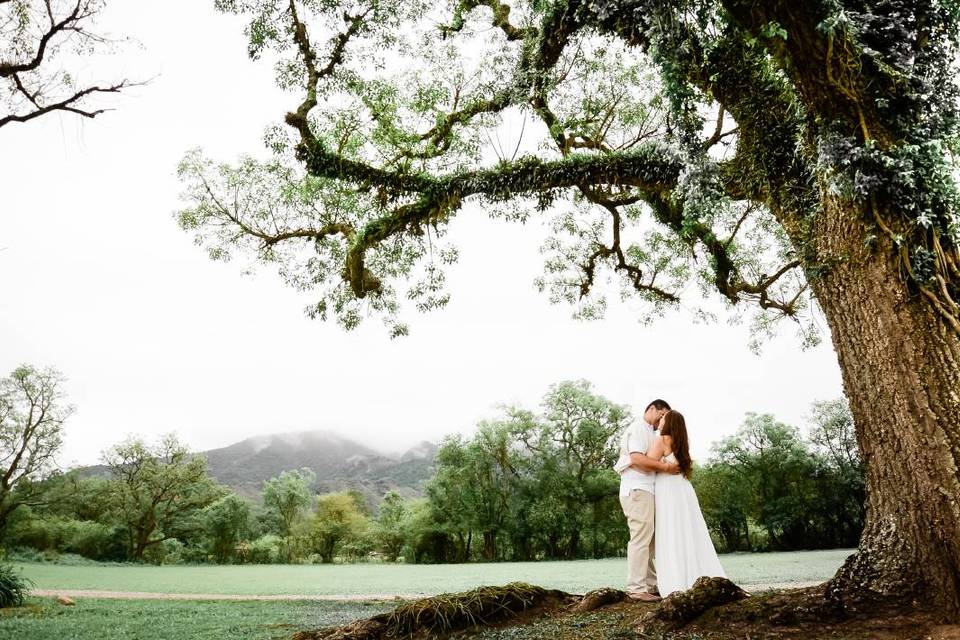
(100, 282)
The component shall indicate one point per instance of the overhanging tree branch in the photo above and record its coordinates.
(37, 35)
(500, 18)
(651, 167)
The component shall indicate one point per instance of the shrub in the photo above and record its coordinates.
(242, 551)
(167, 552)
(36, 533)
(26, 554)
(50, 555)
(23, 554)
(193, 553)
(266, 549)
(66, 535)
(358, 550)
(90, 539)
(13, 587)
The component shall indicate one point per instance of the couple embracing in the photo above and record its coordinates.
(661, 508)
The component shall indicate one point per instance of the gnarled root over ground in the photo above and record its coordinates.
(445, 613)
(714, 609)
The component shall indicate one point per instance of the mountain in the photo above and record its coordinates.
(340, 463)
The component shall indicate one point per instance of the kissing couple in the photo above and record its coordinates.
(661, 507)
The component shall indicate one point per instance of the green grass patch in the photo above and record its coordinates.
(90, 619)
(386, 579)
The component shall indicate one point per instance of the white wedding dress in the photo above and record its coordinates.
(684, 551)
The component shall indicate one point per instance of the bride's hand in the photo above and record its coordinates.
(672, 468)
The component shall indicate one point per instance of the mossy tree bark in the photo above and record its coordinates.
(900, 362)
(894, 329)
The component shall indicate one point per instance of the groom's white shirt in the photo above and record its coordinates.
(636, 439)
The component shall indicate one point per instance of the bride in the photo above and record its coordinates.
(684, 549)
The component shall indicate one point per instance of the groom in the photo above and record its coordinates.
(637, 475)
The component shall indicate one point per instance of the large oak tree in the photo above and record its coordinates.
(158, 491)
(783, 154)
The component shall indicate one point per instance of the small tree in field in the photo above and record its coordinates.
(32, 414)
(158, 492)
(391, 525)
(225, 523)
(339, 520)
(289, 495)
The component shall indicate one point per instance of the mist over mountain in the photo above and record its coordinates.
(339, 463)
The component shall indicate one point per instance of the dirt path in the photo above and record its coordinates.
(376, 597)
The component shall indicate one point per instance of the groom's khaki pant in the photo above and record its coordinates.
(639, 507)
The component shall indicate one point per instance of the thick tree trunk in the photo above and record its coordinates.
(901, 372)
(139, 548)
(6, 511)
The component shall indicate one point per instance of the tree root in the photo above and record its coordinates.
(680, 608)
(596, 599)
(713, 609)
(705, 612)
(446, 613)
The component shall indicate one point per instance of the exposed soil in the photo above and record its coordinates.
(791, 614)
(623, 621)
(714, 610)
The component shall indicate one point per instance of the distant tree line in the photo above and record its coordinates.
(539, 486)
(767, 487)
(528, 485)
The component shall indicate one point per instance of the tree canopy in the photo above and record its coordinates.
(646, 164)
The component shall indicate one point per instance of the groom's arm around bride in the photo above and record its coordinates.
(630, 456)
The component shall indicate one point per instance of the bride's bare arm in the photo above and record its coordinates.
(650, 461)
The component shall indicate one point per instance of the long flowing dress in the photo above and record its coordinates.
(684, 550)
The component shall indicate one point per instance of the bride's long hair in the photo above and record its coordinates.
(676, 427)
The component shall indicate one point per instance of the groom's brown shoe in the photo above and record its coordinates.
(644, 597)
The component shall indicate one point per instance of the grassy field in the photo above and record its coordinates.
(96, 619)
(387, 580)
(175, 619)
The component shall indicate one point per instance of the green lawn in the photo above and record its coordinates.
(174, 619)
(94, 619)
(385, 579)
